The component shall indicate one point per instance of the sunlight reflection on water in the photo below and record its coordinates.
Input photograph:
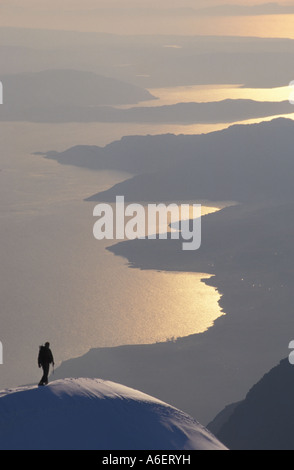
(58, 282)
(211, 93)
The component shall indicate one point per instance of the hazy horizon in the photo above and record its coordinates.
(255, 18)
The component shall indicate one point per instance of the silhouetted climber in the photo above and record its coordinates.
(45, 358)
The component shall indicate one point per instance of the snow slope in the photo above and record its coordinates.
(94, 414)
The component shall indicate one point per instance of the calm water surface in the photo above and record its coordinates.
(57, 282)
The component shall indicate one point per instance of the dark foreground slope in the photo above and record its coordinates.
(264, 420)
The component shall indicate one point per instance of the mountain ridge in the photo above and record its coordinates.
(264, 419)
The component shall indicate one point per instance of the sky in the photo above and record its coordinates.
(71, 5)
(179, 17)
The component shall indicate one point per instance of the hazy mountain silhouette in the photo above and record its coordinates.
(168, 162)
(243, 163)
(139, 59)
(49, 103)
(135, 154)
(54, 89)
(264, 419)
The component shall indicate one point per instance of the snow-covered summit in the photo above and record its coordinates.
(95, 414)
